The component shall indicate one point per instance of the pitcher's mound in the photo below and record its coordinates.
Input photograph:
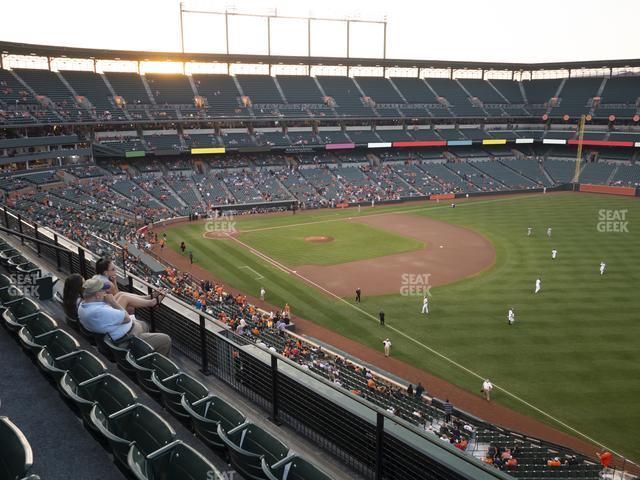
(320, 239)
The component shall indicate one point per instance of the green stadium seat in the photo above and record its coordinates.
(16, 456)
(15, 261)
(173, 461)
(137, 346)
(207, 413)
(9, 296)
(176, 387)
(146, 365)
(109, 393)
(35, 327)
(136, 423)
(7, 254)
(81, 365)
(29, 269)
(18, 312)
(57, 341)
(293, 468)
(248, 444)
(98, 339)
(5, 282)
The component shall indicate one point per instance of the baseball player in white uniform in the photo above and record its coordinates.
(549, 232)
(425, 305)
(538, 285)
(554, 254)
(602, 267)
(511, 317)
(529, 231)
(487, 386)
(387, 347)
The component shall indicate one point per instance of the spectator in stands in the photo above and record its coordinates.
(554, 462)
(99, 312)
(605, 458)
(72, 295)
(448, 410)
(410, 390)
(419, 390)
(106, 271)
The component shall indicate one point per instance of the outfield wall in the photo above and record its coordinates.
(626, 191)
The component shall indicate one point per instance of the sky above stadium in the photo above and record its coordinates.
(471, 30)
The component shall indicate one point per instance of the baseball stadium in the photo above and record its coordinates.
(259, 242)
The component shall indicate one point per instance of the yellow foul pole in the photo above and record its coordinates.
(576, 176)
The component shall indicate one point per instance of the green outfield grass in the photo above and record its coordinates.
(573, 351)
(351, 241)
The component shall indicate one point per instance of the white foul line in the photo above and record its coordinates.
(287, 270)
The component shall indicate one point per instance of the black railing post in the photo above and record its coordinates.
(379, 445)
(152, 317)
(129, 284)
(83, 269)
(20, 228)
(70, 258)
(35, 234)
(55, 240)
(6, 217)
(274, 390)
(204, 360)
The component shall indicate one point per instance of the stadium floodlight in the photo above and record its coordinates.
(272, 16)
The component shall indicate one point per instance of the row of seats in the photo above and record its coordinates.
(87, 96)
(253, 452)
(139, 438)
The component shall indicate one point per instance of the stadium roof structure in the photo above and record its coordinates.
(51, 51)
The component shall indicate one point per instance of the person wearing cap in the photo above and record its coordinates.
(99, 312)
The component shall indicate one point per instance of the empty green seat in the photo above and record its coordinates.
(10, 295)
(35, 326)
(147, 364)
(57, 341)
(81, 365)
(248, 444)
(29, 269)
(18, 312)
(173, 461)
(136, 423)
(7, 254)
(16, 456)
(209, 412)
(176, 387)
(5, 282)
(108, 392)
(137, 347)
(293, 468)
(14, 262)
